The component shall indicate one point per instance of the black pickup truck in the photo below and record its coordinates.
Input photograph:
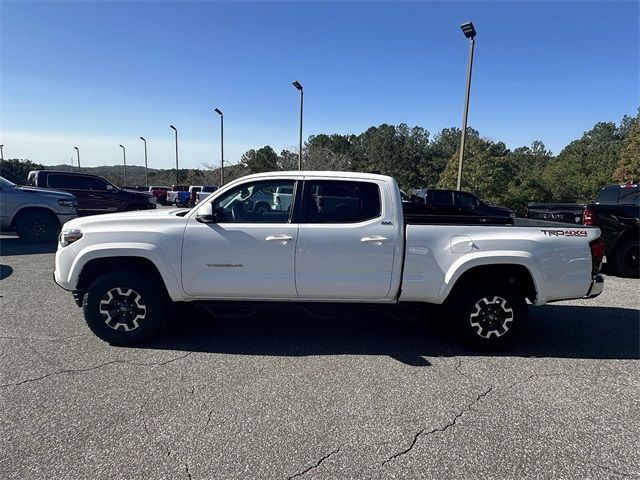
(443, 203)
(616, 210)
(94, 194)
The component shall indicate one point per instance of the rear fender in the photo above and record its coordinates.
(478, 259)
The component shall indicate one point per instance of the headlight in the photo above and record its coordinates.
(67, 203)
(67, 237)
(153, 200)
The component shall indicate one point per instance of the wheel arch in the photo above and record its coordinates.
(630, 232)
(89, 265)
(511, 275)
(33, 209)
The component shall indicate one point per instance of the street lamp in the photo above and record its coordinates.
(299, 88)
(176, 130)
(146, 174)
(78, 153)
(469, 32)
(1, 152)
(219, 112)
(124, 156)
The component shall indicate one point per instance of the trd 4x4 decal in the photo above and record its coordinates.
(565, 233)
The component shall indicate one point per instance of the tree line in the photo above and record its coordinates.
(606, 153)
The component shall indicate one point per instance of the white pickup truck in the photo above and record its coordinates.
(124, 269)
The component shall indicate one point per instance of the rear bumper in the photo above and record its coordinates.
(597, 285)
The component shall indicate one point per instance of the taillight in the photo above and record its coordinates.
(597, 253)
(589, 217)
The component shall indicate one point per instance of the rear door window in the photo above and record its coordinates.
(608, 195)
(443, 198)
(630, 196)
(336, 201)
(66, 182)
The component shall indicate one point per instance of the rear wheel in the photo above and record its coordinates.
(37, 227)
(124, 308)
(626, 258)
(491, 317)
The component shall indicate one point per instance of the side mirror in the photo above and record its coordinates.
(205, 214)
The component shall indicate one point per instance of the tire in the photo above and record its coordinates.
(141, 316)
(625, 258)
(491, 317)
(37, 227)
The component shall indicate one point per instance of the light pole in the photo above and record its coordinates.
(219, 112)
(146, 174)
(469, 32)
(298, 86)
(176, 130)
(124, 156)
(78, 153)
(1, 152)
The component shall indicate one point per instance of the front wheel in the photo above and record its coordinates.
(37, 227)
(491, 317)
(123, 308)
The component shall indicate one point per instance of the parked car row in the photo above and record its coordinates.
(37, 211)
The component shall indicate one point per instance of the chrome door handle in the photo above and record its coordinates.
(279, 238)
(377, 239)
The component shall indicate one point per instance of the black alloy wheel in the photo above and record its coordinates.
(491, 317)
(37, 227)
(123, 307)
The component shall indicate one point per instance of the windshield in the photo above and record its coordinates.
(6, 183)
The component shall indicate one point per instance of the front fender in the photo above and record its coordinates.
(99, 251)
(477, 259)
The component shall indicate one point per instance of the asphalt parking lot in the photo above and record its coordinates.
(282, 394)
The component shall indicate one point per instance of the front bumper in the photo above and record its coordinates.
(597, 285)
(66, 217)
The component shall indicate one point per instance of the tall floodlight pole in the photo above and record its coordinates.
(78, 153)
(124, 157)
(176, 131)
(1, 152)
(298, 86)
(219, 112)
(469, 32)
(146, 174)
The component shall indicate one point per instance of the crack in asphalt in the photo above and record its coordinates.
(95, 367)
(208, 418)
(459, 367)
(614, 471)
(299, 474)
(535, 375)
(438, 429)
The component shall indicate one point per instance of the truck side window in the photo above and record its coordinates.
(335, 201)
(608, 195)
(442, 198)
(256, 202)
(630, 196)
(465, 200)
(64, 181)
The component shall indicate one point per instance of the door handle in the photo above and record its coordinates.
(377, 239)
(283, 239)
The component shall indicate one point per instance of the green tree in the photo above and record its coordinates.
(628, 167)
(585, 165)
(16, 170)
(262, 160)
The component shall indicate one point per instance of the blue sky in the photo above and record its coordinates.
(99, 74)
